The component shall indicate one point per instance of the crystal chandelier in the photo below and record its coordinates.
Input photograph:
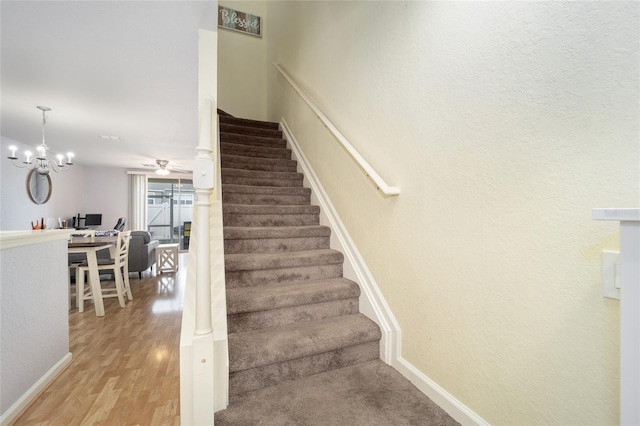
(41, 164)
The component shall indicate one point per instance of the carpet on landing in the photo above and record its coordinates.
(366, 394)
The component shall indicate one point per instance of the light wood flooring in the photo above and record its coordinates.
(125, 367)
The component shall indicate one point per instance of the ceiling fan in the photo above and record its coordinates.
(163, 168)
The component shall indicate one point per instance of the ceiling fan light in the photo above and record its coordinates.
(162, 172)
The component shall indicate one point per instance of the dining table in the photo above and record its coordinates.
(90, 247)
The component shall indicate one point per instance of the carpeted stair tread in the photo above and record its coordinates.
(252, 215)
(284, 183)
(259, 174)
(365, 394)
(266, 197)
(254, 151)
(257, 163)
(259, 232)
(272, 239)
(266, 261)
(248, 122)
(253, 140)
(249, 380)
(261, 178)
(272, 195)
(269, 346)
(257, 320)
(258, 277)
(250, 130)
(269, 209)
(273, 190)
(281, 295)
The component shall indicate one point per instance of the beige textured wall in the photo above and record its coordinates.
(241, 66)
(504, 124)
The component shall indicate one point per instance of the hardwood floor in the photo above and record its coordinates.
(125, 367)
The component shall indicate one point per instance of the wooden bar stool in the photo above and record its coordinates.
(73, 263)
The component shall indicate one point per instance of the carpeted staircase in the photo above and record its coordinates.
(290, 312)
(300, 353)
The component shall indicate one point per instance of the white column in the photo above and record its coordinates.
(629, 310)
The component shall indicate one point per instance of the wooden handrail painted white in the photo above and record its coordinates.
(375, 177)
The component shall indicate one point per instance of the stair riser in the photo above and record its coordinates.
(258, 174)
(244, 233)
(250, 140)
(279, 296)
(272, 210)
(236, 279)
(247, 130)
(261, 167)
(253, 163)
(257, 348)
(269, 375)
(243, 189)
(276, 317)
(275, 245)
(248, 123)
(268, 199)
(237, 180)
(270, 220)
(249, 262)
(257, 152)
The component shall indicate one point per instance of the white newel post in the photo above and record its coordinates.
(203, 361)
(203, 176)
(629, 310)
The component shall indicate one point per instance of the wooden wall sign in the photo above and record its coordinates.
(239, 21)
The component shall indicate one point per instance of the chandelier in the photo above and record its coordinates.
(41, 164)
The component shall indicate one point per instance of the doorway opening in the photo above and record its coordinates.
(170, 210)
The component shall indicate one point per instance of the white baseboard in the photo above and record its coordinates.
(372, 304)
(444, 399)
(34, 391)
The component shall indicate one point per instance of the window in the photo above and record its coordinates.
(170, 206)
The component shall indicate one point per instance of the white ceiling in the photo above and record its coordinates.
(113, 68)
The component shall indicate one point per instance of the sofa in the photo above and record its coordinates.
(142, 253)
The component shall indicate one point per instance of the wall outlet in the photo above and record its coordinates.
(611, 274)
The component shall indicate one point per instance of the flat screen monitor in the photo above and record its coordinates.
(93, 220)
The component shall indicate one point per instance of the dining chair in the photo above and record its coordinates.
(120, 224)
(75, 260)
(119, 266)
